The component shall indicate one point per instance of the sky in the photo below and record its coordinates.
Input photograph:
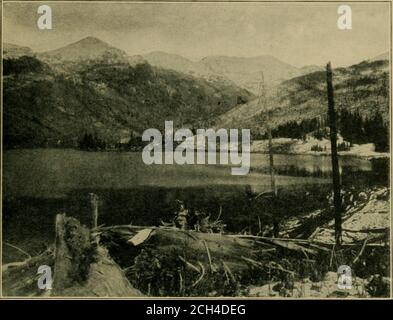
(296, 33)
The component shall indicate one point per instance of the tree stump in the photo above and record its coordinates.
(85, 269)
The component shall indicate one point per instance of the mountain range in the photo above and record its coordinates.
(91, 86)
(243, 71)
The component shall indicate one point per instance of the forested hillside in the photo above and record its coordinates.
(299, 106)
(44, 107)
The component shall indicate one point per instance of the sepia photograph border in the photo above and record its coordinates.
(197, 297)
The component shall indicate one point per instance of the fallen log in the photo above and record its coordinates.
(166, 260)
(211, 249)
(222, 245)
(208, 248)
(203, 254)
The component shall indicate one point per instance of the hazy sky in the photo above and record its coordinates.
(297, 33)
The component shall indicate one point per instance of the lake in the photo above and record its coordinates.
(53, 173)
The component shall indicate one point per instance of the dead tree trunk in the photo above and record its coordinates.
(94, 210)
(271, 161)
(63, 261)
(335, 165)
(262, 102)
(83, 270)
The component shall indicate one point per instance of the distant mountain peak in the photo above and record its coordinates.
(92, 41)
(86, 48)
(88, 42)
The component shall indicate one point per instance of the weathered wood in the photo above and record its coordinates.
(17, 248)
(360, 252)
(208, 248)
(63, 262)
(211, 249)
(273, 187)
(228, 249)
(106, 279)
(335, 165)
(94, 210)
(83, 269)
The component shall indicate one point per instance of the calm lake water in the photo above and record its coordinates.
(53, 173)
(39, 183)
